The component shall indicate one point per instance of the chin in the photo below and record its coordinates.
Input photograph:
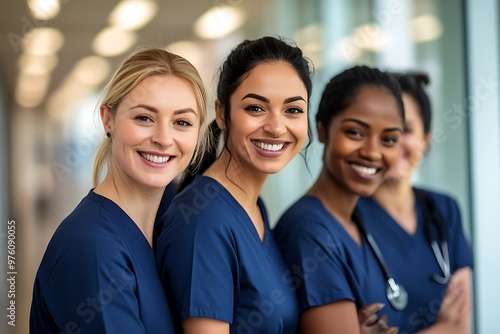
(365, 191)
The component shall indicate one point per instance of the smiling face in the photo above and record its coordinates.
(362, 142)
(414, 141)
(154, 131)
(268, 118)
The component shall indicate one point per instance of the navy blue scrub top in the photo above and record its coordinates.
(99, 275)
(326, 264)
(214, 264)
(410, 257)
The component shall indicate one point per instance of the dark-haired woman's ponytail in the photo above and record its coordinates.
(214, 134)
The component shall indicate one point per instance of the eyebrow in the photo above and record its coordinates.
(266, 100)
(155, 110)
(366, 125)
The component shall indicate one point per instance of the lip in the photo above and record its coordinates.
(155, 159)
(268, 142)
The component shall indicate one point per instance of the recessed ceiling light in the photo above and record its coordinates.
(43, 41)
(37, 64)
(113, 42)
(426, 28)
(91, 70)
(218, 22)
(189, 50)
(133, 14)
(44, 9)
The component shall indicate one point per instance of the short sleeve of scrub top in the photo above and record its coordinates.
(214, 264)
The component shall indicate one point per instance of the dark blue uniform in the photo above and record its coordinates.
(410, 257)
(99, 275)
(325, 263)
(214, 264)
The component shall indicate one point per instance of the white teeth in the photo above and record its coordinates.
(364, 170)
(155, 158)
(269, 147)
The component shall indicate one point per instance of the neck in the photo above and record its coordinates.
(243, 184)
(398, 200)
(139, 203)
(339, 201)
(396, 195)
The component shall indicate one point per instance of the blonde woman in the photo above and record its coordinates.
(98, 274)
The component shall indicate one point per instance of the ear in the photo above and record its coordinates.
(428, 139)
(321, 133)
(107, 118)
(219, 115)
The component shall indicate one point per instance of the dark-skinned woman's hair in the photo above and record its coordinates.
(242, 59)
(413, 83)
(342, 90)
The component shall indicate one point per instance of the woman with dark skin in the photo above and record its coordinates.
(360, 121)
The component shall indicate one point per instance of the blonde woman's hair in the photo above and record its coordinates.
(137, 67)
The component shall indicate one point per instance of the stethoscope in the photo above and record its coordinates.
(442, 255)
(396, 293)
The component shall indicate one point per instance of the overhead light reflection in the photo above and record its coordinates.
(218, 22)
(426, 28)
(91, 70)
(189, 50)
(44, 9)
(112, 42)
(37, 64)
(43, 41)
(309, 39)
(133, 14)
(31, 89)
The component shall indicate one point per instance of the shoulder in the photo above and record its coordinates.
(204, 197)
(308, 210)
(443, 201)
(305, 221)
(203, 211)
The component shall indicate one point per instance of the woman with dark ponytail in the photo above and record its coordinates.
(217, 256)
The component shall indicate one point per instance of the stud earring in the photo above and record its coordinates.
(108, 134)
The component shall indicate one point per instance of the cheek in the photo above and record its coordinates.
(187, 142)
(392, 155)
(300, 131)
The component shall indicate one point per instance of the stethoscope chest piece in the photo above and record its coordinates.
(397, 295)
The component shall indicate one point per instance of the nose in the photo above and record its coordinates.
(371, 150)
(274, 125)
(162, 135)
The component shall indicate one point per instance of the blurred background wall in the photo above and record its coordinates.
(55, 56)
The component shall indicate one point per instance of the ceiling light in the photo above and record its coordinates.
(92, 70)
(112, 42)
(44, 9)
(43, 41)
(309, 39)
(64, 98)
(218, 22)
(370, 37)
(37, 64)
(426, 28)
(132, 14)
(31, 89)
(189, 50)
